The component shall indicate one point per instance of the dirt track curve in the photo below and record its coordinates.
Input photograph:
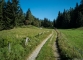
(37, 50)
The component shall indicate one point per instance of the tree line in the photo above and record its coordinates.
(72, 18)
(12, 15)
(32, 20)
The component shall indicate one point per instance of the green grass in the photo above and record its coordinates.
(71, 43)
(16, 37)
(47, 52)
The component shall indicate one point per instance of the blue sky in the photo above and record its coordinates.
(47, 8)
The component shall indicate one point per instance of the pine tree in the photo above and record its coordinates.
(29, 17)
(46, 23)
(21, 18)
(81, 2)
(7, 15)
(66, 19)
(15, 10)
(36, 22)
(59, 20)
(54, 23)
(74, 16)
(80, 20)
(76, 6)
(1, 14)
(81, 7)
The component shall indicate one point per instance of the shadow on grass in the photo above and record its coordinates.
(62, 56)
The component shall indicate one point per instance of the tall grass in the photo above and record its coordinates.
(16, 38)
(70, 43)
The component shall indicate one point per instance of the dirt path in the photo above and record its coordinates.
(56, 53)
(37, 50)
(55, 48)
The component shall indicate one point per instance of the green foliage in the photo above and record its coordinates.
(80, 19)
(32, 20)
(46, 23)
(29, 17)
(12, 13)
(1, 14)
(21, 18)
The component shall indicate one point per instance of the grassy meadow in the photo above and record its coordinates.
(71, 43)
(12, 42)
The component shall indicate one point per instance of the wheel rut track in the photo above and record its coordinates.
(35, 53)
